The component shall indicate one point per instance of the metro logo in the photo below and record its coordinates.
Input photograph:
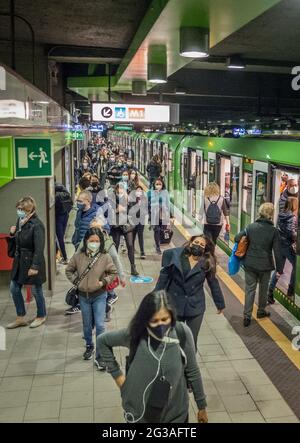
(137, 113)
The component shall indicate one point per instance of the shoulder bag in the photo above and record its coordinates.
(242, 246)
(72, 294)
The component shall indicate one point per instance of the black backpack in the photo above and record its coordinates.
(182, 341)
(64, 202)
(213, 212)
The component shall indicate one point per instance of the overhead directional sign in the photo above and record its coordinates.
(125, 113)
(141, 279)
(33, 157)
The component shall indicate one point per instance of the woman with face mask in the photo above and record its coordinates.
(125, 180)
(133, 180)
(140, 211)
(183, 274)
(159, 210)
(91, 290)
(162, 360)
(26, 245)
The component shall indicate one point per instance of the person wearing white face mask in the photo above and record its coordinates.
(291, 190)
(26, 245)
(91, 289)
(140, 212)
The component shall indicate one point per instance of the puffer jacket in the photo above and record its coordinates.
(287, 226)
(103, 270)
(82, 224)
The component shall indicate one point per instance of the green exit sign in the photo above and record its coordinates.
(123, 128)
(77, 135)
(33, 157)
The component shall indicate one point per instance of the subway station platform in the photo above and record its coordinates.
(250, 375)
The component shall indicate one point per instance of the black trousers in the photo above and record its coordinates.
(61, 223)
(139, 231)
(194, 323)
(212, 231)
(116, 233)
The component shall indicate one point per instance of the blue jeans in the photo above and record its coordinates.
(93, 308)
(37, 291)
(287, 254)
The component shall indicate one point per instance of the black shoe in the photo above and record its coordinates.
(263, 314)
(247, 321)
(72, 311)
(100, 367)
(112, 299)
(271, 299)
(143, 256)
(88, 355)
(134, 271)
(158, 251)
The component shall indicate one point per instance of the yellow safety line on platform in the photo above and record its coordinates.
(272, 330)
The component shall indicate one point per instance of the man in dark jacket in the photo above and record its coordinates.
(264, 239)
(154, 169)
(63, 206)
(86, 213)
(290, 191)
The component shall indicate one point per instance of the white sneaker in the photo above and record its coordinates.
(37, 322)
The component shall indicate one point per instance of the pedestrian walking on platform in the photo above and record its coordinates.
(183, 274)
(263, 240)
(92, 288)
(215, 211)
(161, 363)
(26, 245)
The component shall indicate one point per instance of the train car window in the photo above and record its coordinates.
(260, 191)
(247, 192)
(212, 170)
(234, 196)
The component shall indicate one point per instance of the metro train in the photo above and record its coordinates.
(248, 170)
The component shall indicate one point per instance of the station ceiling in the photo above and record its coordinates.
(85, 36)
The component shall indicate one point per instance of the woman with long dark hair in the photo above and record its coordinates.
(92, 288)
(161, 362)
(183, 274)
(120, 224)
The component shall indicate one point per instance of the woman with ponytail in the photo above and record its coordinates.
(183, 274)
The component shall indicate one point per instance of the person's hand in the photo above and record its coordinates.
(123, 283)
(227, 227)
(220, 311)
(120, 380)
(32, 272)
(202, 416)
(101, 284)
(13, 230)
(278, 275)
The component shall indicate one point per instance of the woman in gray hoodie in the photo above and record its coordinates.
(161, 362)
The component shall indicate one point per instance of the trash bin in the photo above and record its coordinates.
(5, 261)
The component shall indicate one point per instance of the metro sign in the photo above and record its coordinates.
(137, 113)
(130, 113)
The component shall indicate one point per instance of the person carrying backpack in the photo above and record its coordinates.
(215, 211)
(161, 363)
(63, 206)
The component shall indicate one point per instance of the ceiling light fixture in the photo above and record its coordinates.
(235, 62)
(157, 73)
(180, 91)
(194, 42)
(139, 87)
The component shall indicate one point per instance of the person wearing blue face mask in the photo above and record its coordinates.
(161, 362)
(26, 246)
(92, 288)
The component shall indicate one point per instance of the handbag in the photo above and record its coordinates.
(72, 294)
(113, 284)
(234, 262)
(242, 246)
(128, 227)
(166, 234)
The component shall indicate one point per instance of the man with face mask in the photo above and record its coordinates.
(95, 187)
(291, 190)
(85, 214)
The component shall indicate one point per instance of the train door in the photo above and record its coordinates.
(165, 162)
(184, 178)
(247, 195)
(235, 195)
(259, 192)
(170, 169)
(224, 173)
(278, 187)
(212, 169)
